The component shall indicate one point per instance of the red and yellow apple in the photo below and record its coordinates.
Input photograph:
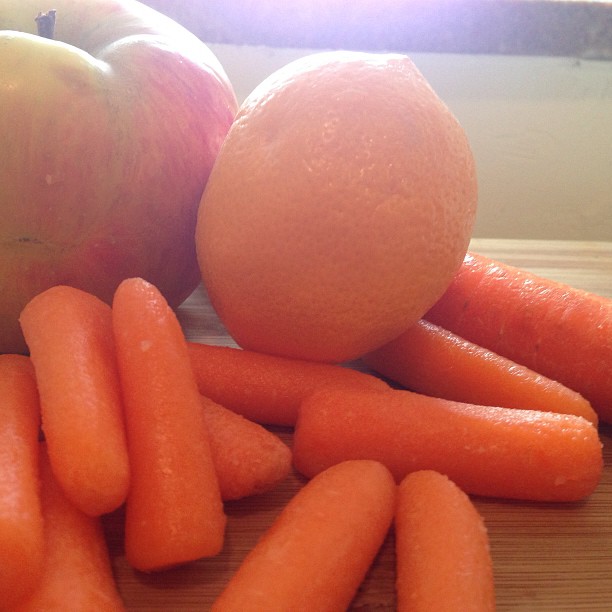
(108, 134)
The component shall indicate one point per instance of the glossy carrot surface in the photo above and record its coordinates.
(442, 548)
(317, 552)
(70, 338)
(490, 451)
(265, 388)
(174, 511)
(21, 520)
(431, 360)
(552, 328)
(77, 573)
(248, 459)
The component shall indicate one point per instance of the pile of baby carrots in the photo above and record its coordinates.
(113, 407)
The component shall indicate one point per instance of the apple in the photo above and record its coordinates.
(108, 133)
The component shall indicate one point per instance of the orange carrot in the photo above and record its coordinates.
(174, 511)
(77, 573)
(69, 334)
(442, 548)
(498, 452)
(431, 360)
(319, 549)
(265, 388)
(21, 522)
(551, 328)
(248, 458)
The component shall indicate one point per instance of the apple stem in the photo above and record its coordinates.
(46, 24)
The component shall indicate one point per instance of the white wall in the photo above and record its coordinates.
(540, 129)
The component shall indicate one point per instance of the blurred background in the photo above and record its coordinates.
(529, 80)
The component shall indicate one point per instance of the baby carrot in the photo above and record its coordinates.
(265, 388)
(69, 335)
(556, 330)
(442, 548)
(319, 549)
(490, 451)
(77, 573)
(248, 458)
(174, 511)
(21, 522)
(431, 360)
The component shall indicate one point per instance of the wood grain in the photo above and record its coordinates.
(552, 557)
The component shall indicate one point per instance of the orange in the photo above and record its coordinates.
(339, 208)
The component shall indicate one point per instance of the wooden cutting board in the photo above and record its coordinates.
(552, 557)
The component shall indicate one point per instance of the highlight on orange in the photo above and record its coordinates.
(339, 208)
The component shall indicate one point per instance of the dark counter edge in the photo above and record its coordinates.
(509, 27)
